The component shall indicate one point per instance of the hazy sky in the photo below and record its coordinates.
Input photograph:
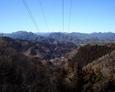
(86, 16)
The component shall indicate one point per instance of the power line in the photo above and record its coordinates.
(63, 15)
(43, 13)
(30, 14)
(70, 11)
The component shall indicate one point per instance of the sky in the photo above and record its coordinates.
(85, 16)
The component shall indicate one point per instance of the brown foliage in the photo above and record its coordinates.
(89, 53)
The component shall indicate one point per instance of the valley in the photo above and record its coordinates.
(57, 62)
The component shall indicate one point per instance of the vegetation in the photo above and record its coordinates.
(90, 70)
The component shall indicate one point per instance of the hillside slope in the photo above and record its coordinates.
(25, 66)
(99, 76)
(42, 50)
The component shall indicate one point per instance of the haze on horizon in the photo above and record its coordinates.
(83, 16)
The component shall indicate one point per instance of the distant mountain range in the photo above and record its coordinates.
(76, 38)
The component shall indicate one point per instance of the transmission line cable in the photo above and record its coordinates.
(30, 14)
(43, 14)
(70, 13)
(63, 15)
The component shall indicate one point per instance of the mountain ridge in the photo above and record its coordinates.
(76, 38)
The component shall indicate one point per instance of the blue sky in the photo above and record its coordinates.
(86, 16)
